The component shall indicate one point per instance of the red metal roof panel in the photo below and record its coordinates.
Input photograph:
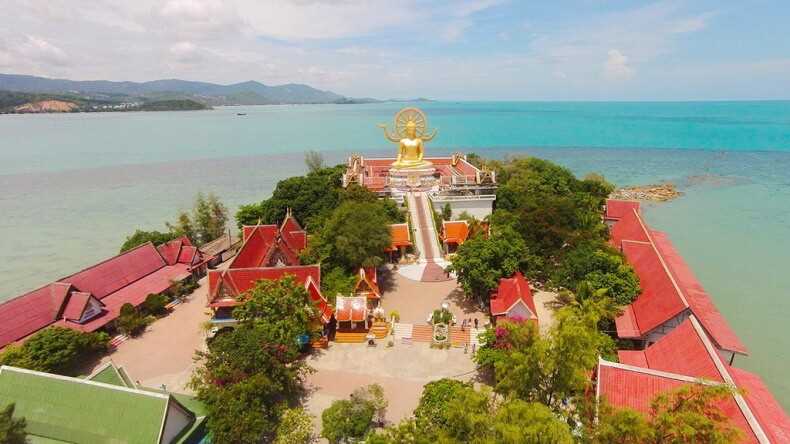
(630, 227)
(698, 300)
(616, 209)
(510, 291)
(770, 414)
(76, 305)
(659, 300)
(682, 351)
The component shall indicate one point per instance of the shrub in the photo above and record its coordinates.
(155, 304)
(131, 322)
(55, 350)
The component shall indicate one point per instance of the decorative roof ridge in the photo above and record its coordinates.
(271, 268)
(652, 372)
(83, 381)
(751, 419)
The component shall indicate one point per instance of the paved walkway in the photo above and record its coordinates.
(163, 353)
(402, 370)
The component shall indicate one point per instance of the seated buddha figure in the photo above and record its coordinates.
(411, 147)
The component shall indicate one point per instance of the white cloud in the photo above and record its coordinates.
(616, 66)
(38, 49)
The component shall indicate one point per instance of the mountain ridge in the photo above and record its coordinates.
(250, 92)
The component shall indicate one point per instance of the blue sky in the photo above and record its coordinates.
(455, 50)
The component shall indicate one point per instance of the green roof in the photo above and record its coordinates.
(109, 374)
(59, 408)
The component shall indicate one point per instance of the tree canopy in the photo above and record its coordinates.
(140, 237)
(250, 374)
(347, 420)
(55, 350)
(481, 261)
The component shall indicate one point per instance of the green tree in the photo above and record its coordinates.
(434, 407)
(283, 306)
(346, 420)
(447, 212)
(314, 161)
(209, 217)
(155, 304)
(12, 430)
(372, 394)
(311, 198)
(689, 414)
(295, 427)
(601, 267)
(183, 226)
(55, 350)
(140, 237)
(480, 262)
(130, 321)
(336, 281)
(551, 369)
(354, 236)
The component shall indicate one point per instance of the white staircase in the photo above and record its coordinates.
(426, 238)
(474, 340)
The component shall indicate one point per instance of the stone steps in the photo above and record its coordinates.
(380, 330)
(459, 338)
(350, 338)
(422, 333)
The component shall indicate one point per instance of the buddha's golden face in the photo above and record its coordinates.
(411, 130)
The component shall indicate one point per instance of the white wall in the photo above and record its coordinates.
(177, 419)
(477, 206)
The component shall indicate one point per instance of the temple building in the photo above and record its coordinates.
(400, 243)
(91, 299)
(513, 299)
(367, 286)
(454, 234)
(268, 252)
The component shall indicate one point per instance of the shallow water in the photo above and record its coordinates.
(73, 186)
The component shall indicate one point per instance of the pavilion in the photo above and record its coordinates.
(454, 234)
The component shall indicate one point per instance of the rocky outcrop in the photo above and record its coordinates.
(659, 193)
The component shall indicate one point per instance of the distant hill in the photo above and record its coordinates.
(24, 102)
(245, 93)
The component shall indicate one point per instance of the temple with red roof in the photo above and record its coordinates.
(92, 298)
(686, 355)
(367, 286)
(670, 291)
(268, 252)
(454, 234)
(513, 299)
(400, 236)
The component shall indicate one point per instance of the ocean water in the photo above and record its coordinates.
(73, 186)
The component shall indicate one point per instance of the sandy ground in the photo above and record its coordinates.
(402, 370)
(414, 300)
(163, 353)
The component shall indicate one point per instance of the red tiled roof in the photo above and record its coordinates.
(768, 411)
(698, 300)
(616, 209)
(76, 305)
(400, 236)
(366, 283)
(135, 294)
(455, 231)
(262, 241)
(511, 291)
(632, 357)
(239, 280)
(681, 351)
(120, 278)
(634, 387)
(659, 300)
(115, 273)
(629, 227)
(313, 290)
(351, 308)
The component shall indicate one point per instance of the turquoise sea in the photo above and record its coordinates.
(73, 186)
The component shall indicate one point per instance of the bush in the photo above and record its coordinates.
(155, 304)
(131, 322)
(346, 420)
(55, 350)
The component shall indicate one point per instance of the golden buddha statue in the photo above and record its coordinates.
(410, 135)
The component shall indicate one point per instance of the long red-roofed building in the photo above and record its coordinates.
(670, 292)
(92, 298)
(684, 356)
